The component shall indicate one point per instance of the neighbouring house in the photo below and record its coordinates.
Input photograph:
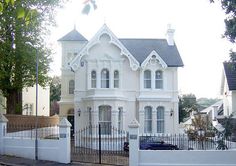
(111, 81)
(29, 101)
(210, 114)
(228, 88)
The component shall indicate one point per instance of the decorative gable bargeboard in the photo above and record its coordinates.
(118, 80)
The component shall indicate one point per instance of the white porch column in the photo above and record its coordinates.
(114, 119)
(3, 129)
(95, 118)
(134, 143)
(154, 120)
(141, 121)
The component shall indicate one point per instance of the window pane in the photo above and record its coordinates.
(71, 86)
(147, 79)
(93, 79)
(160, 119)
(116, 79)
(105, 119)
(159, 84)
(147, 83)
(147, 74)
(159, 80)
(105, 78)
(148, 119)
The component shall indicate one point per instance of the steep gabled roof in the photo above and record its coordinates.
(141, 48)
(73, 35)
(230, 73)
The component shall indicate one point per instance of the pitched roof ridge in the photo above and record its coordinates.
(73, 35)
(141, 38)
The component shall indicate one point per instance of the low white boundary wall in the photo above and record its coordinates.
(48, 149)
(187, 158)
(175, 157)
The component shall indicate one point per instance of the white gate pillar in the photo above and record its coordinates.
(3, 129)
(64, 155)
(133, 143)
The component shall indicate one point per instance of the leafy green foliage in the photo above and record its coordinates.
(187, 104)
(232, 56)
(55, 94)
(206, 102)
(1, 7)
(229, 6)
(21, 44)
(55, 88)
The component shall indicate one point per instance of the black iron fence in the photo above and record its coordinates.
(100, 144)
(183, 142)
(45, 131)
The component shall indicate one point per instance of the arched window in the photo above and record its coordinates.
(105, 119)
(105, 78)
(71, 86)
(148, 119)
(120, 119)
(159, 79)
(160, 119)
(116, 79)
(147, 79)
(93, 79)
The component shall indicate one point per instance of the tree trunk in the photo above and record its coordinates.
(14, 102)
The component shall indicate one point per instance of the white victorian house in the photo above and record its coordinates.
(111, 81)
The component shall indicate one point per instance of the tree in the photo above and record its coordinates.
(187, 104)
(229, 6)
(21, 40)
(55, 94)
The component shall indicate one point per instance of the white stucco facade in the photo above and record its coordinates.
(125, 95)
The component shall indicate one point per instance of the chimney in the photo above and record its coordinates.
(170, 35)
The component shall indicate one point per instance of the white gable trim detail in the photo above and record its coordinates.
(157, 58)
(134, 64)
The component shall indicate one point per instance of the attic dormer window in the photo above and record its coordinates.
(159, 79)
(147, 79)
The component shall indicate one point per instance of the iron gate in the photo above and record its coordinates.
(101, 144)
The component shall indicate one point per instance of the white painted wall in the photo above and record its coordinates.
(187, 158)
(48, 149)
(175, 157)
(29, 97)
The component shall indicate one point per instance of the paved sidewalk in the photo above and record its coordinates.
(18, 161)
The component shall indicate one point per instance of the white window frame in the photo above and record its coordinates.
(105, 78)
(120, 119)
(147, 80)
(71, 87)
(160, 119)
(93, 79)
(148, 119)
(159, 81)
(116, 79)
(105, 119)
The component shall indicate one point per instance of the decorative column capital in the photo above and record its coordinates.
(134, 124)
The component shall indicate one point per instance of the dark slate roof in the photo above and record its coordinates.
(141, 48)
(230, 73)
(73, 35)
